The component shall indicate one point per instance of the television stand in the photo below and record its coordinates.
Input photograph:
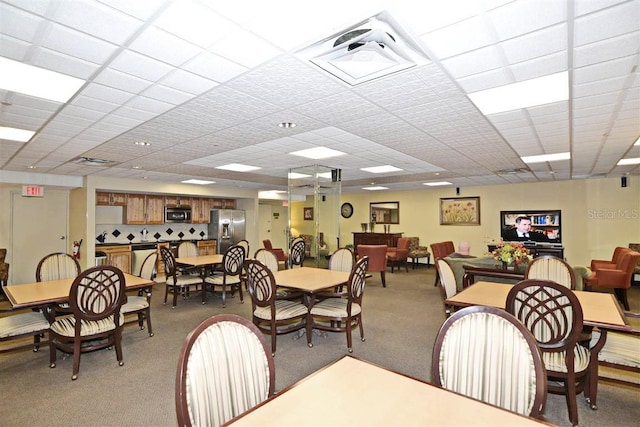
(540, 249)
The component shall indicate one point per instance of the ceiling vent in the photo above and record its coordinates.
(512, 171)
(370, 49)
(88, 161)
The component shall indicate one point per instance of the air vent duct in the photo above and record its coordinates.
(512, 171)
(88, 161)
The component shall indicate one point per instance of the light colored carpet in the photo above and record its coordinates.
(400, 323)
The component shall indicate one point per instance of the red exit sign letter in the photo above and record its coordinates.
(32, 191)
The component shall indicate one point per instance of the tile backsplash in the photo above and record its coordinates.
(121, 233)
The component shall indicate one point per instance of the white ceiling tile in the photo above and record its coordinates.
(140, 66)
(214, 67)
(539, 67)
(159, 44)
(537, 44)
(244, 48)
(453, 40)
(122, 81)
(604, 50)
(611, 22)
(139, 9)
(615, 68)
(65, 64)
(521, 17)
(167, 94)
(76, 43)
(19, 24)
(475, 62)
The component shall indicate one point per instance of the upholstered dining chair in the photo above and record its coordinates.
(553, 314)
(272, 315)
(297, 252)
(188, 249)
(547, 267)
(232, 265)
(95, 298)
(282, 256)
(245, 244)
(448, 283)
(342, 260)
(56, 266)
(270, 261)
(619, 277)
(487, 354)
(140, 304)
(176, 282)
(377, 259)
(398, 255)
(441, 250)
(416, 252)
(16, 325)
(224, 369)
(340, 312)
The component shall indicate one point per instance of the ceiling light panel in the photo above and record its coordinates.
(381, 169)
(547, 158)
(236, 167)
(13, 134)
(318, 153)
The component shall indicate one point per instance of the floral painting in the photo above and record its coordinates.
(460, 211)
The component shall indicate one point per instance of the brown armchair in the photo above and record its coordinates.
(441, 250)
(618, 252)
(635, 247)
(282, 257)
(4, 272)
(377, 259)
(398, 255)
(618, 278)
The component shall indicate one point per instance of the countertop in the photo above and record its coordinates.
(150, 242)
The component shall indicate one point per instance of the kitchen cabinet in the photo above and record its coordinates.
(200, 210)
(177, 201)
(144, 209)
(223, 204)
(110, 199)
(206, 247)
(118, 256)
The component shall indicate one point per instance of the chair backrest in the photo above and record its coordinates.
(342, 260)
(186, 249)
(297, 252)
(447, 278)
(233, 260)
(245, 244)
(548, 267)
(261, 284)
(550, 311)
(57, 266)
(487, 354)
(355, 285)
(97, 293)
(268, 258)
(224, 369)
(414, 243)
(442, 249)
(627, 263)
(169, 262)
(377, 256)
(148, 267)
(267, 244)
(403, 243)
(616, 254)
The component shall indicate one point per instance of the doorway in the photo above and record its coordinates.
(38, 227)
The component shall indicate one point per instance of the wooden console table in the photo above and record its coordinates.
(535, 251)
(389, 239)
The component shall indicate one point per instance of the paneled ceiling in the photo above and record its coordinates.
(206, 84)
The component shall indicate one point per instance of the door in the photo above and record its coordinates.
(264, 223)
(38, 228)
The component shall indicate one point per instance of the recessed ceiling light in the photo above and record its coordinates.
(624, 162)
(197, 181)
(437, 184)
(637, 141)
(142, 143)
(546, 158)
(286, 125)
(376, 188)
(136, 167)
(13, 134)
(32, 167)
(296, 175)
(318, 153)
(529, 93)
(19, 77)
(237, 167)
(381, 169)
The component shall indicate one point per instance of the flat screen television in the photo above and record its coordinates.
(548, 223)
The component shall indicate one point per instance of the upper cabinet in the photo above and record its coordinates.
(144, 209)
(200, 210)
(110, 199)
(177, 201)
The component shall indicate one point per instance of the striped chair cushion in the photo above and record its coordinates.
(554, 362)
(22, 324)
(334, 307)
(284, 310)
(184, 280)
(502, 375)
(620, 348)
(134, 303)
(218, 279)
(65, 326)
(220, 387)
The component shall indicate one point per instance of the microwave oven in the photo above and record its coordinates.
(177, 215)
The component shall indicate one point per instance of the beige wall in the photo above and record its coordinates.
(597, 214)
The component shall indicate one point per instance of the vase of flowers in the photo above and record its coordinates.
(512, 255)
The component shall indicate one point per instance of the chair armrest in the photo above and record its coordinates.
(597, 264)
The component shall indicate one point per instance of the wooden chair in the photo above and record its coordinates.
(448, 283)
(297, 252)
(553, 314)
(398, 255)
(377, 259)
(441, 250)
(547, 267)
(140, 304)
(232, 265)
(188, 249)
(272, 315)
(618, 278)
(342, 260)
(176, 282)
(224, 369)
(56, 266)
(340, 312)
(270, 261)
(487, 354)
(95, 298)
(18, 324)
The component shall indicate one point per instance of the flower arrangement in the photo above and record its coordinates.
(512, 253)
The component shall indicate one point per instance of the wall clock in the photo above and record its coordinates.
(346, 210)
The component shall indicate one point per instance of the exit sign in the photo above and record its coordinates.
(33, 191)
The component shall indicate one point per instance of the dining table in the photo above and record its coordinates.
(600, 310)
(201, 262)
(354, 392)
(310, 280)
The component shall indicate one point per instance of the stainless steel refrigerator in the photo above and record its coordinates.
(227, 226)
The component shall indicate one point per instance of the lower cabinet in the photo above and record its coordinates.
(206, 247)
(118, 256)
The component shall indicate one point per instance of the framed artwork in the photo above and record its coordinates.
(460, 211)
(308, 214)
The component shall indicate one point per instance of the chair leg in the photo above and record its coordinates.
(621, 294)
(572, 405)
(406, 267)
(148, 316)
(347, 327)
(76, 359)
(382, 277)
(175, 297)
(435, 284)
